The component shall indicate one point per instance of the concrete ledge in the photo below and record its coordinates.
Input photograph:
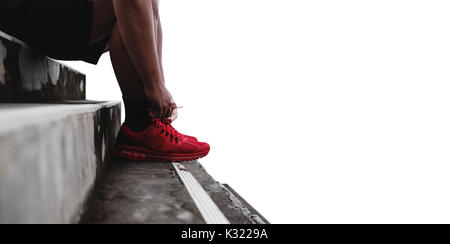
(235, 208)
(50, 158)
(27, 76)
(153, 193)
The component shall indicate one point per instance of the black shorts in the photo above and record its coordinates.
(60, 29)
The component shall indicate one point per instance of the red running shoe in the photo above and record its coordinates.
(191, 138)
(160, 142)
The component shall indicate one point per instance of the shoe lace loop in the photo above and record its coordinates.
(166, 127)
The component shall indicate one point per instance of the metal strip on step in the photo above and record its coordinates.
(208, 209)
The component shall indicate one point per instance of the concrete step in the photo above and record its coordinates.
(27, 76)
(50, 157)
(160, 193)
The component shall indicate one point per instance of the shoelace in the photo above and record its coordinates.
(166, 127)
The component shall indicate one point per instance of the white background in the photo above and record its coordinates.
(317, 111)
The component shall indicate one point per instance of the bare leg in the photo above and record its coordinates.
(104, 25)
(129, 80)
(159, 36)
(138, 46)
(136, 21)
(136, 49)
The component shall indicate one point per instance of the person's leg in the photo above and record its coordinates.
(159, 37)
(104, 21)
(136, 22)
(104, 25)
(160, 142)
(136, 104)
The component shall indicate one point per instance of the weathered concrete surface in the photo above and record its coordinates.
(140, 192)
(27, 76)
(50, 157)
(149, 193)
(251, 213)
(237, 211)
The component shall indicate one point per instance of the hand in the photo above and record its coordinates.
(161, 104)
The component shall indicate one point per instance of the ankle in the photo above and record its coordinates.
(136, 114)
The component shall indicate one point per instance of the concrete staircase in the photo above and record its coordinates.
(56, 164)
(53, 143)
(27, 76)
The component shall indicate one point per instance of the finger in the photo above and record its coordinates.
(160, 114)
(169, 113)
(174, 115)
(164, 113)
